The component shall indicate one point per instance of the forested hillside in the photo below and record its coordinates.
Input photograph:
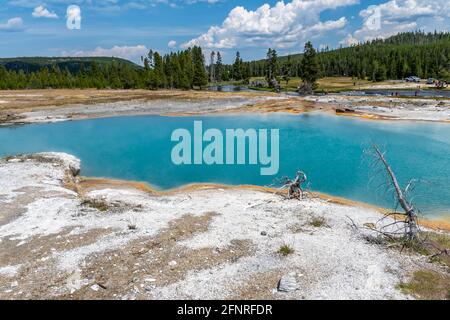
(184, 69)
(419, 54)
(406, 54)
(413, 53)
(72, 64)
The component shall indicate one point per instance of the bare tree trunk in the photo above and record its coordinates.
(411, 219)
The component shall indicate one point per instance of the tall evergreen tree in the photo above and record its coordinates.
(159, 77)
(286, 70)
(212, 67)
(198, 60)
(187, 69)
(310, 65)
(237, 67)
(271, 66)
(219, 67)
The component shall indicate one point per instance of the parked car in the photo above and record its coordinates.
(413, 79)
(431, 81)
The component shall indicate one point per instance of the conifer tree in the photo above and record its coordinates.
(310, 65)
(219, 67)
(237, 67)
(271, 66)
(199, 71)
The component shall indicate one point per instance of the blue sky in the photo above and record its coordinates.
(129, 28)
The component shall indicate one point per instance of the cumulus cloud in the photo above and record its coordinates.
(283, 25)
(349, 40)
(172, 44)
(132, 53)
(42, 12)
(401, 15)
(14, 24)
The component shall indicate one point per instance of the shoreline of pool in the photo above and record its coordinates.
(93, 183)
(331, 113)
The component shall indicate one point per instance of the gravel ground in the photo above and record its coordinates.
(390, 108)
(63, 105)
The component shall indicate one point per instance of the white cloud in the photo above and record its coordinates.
(402, 15)
(349, 40)
(283, 25)
(14, 24)
(172, 44)
(132, 53)
(42, 12)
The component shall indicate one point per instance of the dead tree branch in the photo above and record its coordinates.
(410, 214)
(295, 187)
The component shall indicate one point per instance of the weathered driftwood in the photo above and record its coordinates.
(294, 187)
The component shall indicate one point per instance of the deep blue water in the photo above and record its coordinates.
(328, 148)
